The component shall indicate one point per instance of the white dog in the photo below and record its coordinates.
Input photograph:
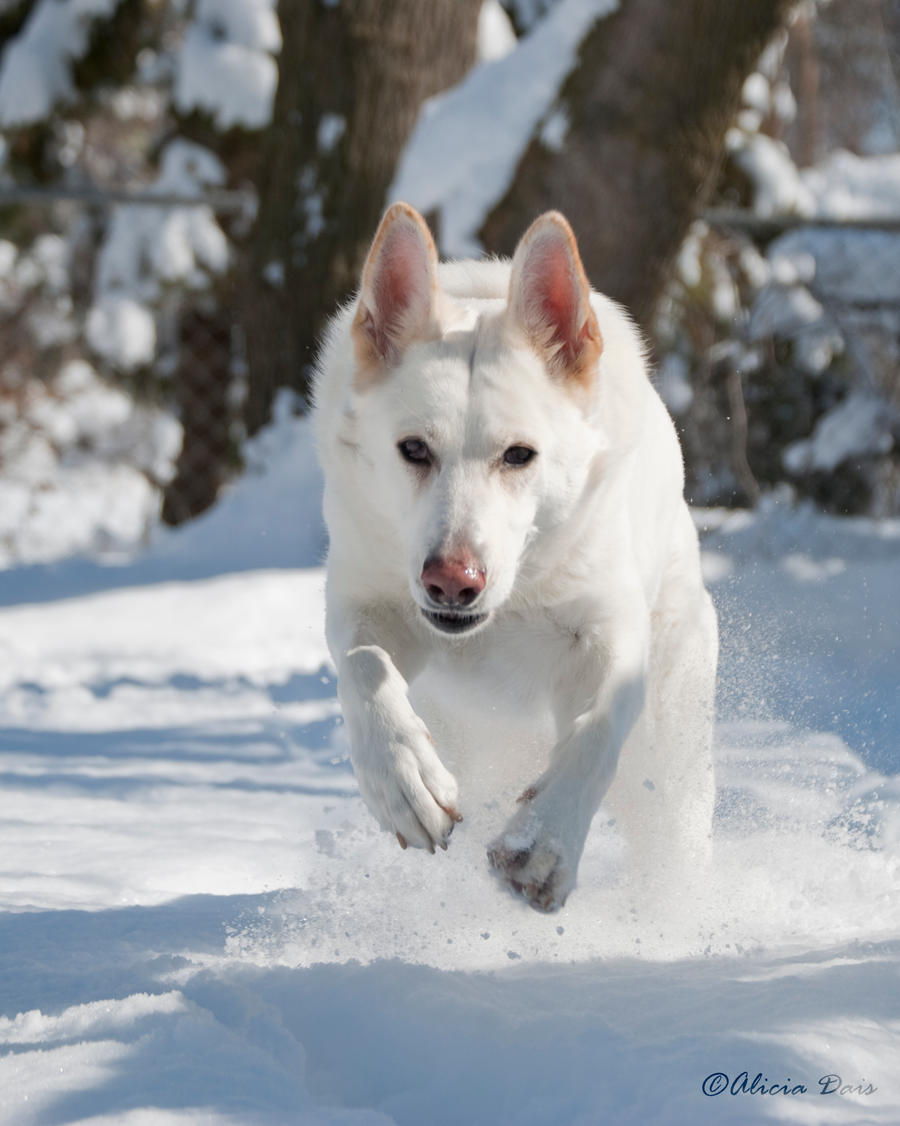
(508, 537)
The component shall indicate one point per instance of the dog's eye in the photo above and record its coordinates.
(415, 451)
(519, 455)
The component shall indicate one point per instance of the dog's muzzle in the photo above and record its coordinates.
(449, 622)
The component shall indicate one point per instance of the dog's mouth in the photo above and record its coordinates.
(449, 621)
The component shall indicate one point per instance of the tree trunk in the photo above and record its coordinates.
(891, 19)
(352, 78)
(648, 103)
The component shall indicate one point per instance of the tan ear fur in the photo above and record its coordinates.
(398, 294)
(549, 300)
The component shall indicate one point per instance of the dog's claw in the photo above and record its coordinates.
(402, 840)
(445, 840)
(453, 814)
(539, 897)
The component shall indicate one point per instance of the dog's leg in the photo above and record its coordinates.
(401, 778)
(664, 791)
(599, 697)
(673, 831)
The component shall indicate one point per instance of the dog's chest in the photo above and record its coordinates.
(488, 704)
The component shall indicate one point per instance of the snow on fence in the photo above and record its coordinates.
(829, 275)
(798, 348)
(121, 366)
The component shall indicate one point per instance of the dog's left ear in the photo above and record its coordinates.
(399, 290)
(550, 299)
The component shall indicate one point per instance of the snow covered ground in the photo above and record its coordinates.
(200, 923)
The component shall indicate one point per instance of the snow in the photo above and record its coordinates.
(757, 93)
(496, 37)
(847, 186)
(46, 264)
(86, 494)
(225, 66)
(829, 290)
(201, 923)
(843, 186)
(76, 457)
(467, 141)
(853, 267)
(554, 130)
(528, 12)
(784, 311)
(858, 426)
(146, 246)
(121, 331)
(779, 187)
(146, 249)
(332, 127)
(673, 383)
(34, 69)
(252, 23)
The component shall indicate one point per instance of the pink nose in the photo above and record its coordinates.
(456, 581)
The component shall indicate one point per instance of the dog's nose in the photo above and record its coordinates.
(456, 581)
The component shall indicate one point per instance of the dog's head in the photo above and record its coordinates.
(473, 414)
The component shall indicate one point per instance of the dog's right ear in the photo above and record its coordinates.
(399, 291)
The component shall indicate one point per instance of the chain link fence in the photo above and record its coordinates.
(778, 358)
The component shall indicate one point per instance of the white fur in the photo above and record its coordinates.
(597, 660)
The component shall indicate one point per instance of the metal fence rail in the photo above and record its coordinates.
(763, 227)
(221, 201)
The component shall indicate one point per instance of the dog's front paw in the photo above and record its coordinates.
(406, 786)
(532, 862)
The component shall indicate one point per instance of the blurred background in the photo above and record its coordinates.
(188, 187)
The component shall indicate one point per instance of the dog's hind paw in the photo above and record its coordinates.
(534, 868)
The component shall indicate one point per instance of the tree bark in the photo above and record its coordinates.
(891, 19)
(352, 78)
(648, 103)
